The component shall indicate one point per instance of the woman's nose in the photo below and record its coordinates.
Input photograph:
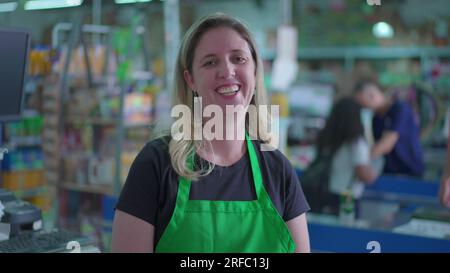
(227, 70)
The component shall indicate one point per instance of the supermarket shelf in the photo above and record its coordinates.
(23, 142)
(30, 113)
(107, 190)
(106, 121)
(146, 126)
(31, 192)
(91, 120)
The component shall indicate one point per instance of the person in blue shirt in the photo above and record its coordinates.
(395, 130)
(444, 191)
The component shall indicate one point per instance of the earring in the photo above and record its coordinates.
(194, 95)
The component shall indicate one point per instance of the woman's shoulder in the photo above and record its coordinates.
(161, 142)
(157, 147)
(400, 107)
(360, 142)
(360, 151)
(356, 146)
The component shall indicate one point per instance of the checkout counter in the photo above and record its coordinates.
(397, 214)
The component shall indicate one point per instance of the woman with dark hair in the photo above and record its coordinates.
(342, 141)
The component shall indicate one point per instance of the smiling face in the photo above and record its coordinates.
(223, 70)
(370, 96)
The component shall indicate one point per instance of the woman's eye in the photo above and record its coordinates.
(240, 59)
(209, 63)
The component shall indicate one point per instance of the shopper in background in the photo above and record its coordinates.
(342, 142)
(240, 199)
(444, 192)
(395, 130)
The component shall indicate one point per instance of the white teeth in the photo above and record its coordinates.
(228, 90)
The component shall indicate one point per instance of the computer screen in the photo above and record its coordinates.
(315, 99)
(14, 45)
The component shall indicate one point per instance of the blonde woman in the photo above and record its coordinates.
(213, 195)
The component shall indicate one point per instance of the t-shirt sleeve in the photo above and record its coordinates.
(360, 152)
(398, 119)
(139, 194)
(295, 202)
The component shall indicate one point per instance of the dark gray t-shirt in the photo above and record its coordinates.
(150, 190)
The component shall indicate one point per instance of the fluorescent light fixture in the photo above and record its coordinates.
(8, 6)
(130, 1)
(51, 4)
(383, 30)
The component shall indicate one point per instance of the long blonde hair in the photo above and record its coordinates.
(179, 150)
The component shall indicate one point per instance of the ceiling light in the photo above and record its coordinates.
(51, 4)
(8, 6)
(130, 1)
(383, 30)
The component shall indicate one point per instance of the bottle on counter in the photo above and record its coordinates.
(347, 209)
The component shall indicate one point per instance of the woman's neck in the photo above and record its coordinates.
(224, 152)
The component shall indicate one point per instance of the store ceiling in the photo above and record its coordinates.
(413, 12)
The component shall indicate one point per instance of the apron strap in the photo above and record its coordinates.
(184, 186)
(256, 171)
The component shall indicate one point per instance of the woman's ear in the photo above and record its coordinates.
(189, 80)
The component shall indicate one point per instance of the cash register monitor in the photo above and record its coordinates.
(14, 47)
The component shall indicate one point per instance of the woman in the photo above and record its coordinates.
(342, 140)
(240, 199)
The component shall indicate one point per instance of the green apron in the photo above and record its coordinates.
(226, 226)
